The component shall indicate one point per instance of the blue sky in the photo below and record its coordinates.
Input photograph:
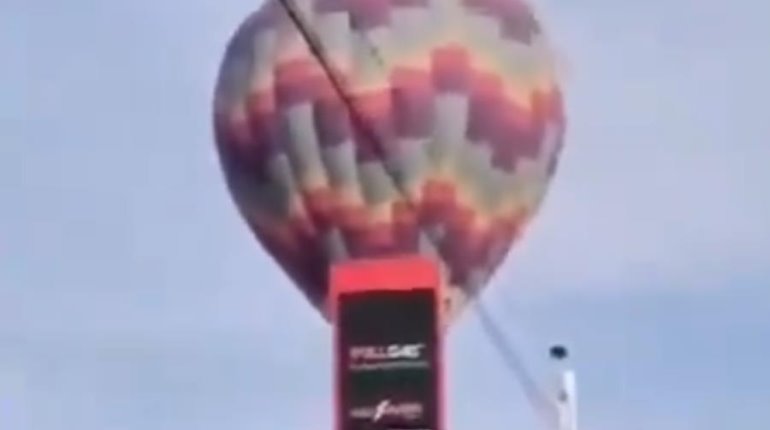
(132, 297)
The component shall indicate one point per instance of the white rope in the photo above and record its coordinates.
(537, 397)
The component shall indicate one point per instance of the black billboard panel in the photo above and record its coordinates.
(388, 366)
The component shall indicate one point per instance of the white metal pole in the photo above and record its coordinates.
(567, 401)
(566, 396)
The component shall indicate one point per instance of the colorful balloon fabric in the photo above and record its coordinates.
(463, 119)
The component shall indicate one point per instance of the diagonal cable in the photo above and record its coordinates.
(535, 395)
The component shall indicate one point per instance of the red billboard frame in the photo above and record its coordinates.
(403, 273)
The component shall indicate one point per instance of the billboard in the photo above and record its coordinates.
(387, 358)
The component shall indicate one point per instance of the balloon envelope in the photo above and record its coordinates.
(463, 128)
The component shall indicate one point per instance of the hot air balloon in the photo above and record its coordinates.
(358, 129)
(355, 133)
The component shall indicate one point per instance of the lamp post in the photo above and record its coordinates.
(566, 397)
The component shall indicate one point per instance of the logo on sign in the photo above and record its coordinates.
(395, 356)
(408, 411)
(390, 352)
